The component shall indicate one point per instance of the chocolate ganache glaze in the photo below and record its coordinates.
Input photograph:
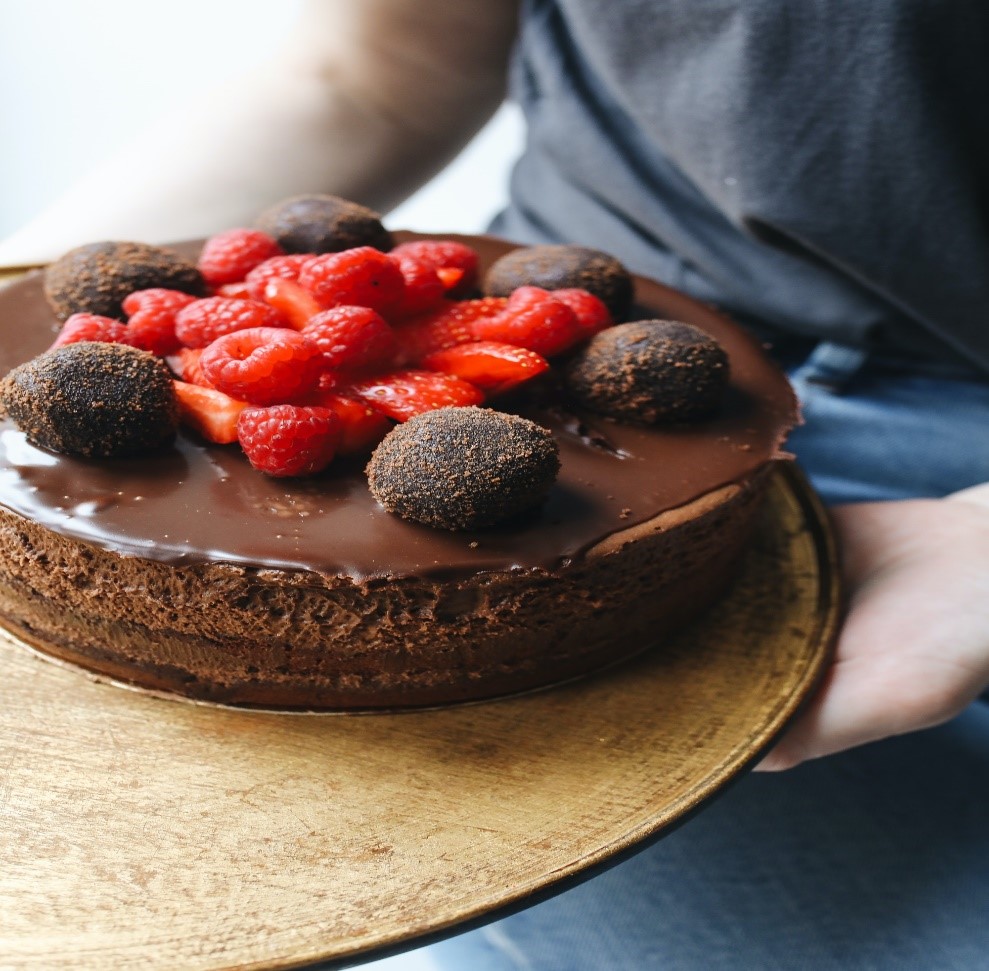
(196, 503)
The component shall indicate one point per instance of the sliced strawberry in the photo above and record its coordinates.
(294, 302)
(591, 313)
(185, 366)
(447, 327)
(361, 426)
(490, 366)
(404, 394)
(533, 319)
(208, 411)
(450, 277)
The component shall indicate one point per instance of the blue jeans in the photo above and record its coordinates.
(877, 858)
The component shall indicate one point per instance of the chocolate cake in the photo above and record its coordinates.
(190, 573)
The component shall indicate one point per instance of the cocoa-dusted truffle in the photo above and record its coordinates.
(97, 277)
(462, 468)
(651, 371)
(92, 399)
(323, 224)
(562, 267)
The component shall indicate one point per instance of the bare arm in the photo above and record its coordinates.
(367, 100)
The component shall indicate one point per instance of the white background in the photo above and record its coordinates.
(77, 79)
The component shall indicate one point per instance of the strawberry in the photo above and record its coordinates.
(455, 263)
(203, 321)
(591, 313)
(404, 394)
(362, 277)
(263, 365)
(447, 327)
(209, 412)
(295, 303)
(361, 427)
(185, 366)
(490, 366)
(289, 440)
(91, 327)
(229, 256)
(285, 267)
(351, 338)
(533, 319)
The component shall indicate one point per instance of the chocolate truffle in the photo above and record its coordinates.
(560, 267)
(92, 399)
(463, 468)
(323, 224)
(97, 277)
(650, 371)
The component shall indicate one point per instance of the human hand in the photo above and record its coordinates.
(914, 647)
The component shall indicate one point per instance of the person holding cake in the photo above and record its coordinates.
(821, 173)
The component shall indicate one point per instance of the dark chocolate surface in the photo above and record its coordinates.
(195, 502)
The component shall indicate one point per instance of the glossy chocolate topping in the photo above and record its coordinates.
(194, 503)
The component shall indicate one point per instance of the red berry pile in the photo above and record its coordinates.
(301, 357)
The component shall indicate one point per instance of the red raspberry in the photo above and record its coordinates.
(91, 327)
(203, 321)
(231, 255)
(289, 440)
(351, 338)
(404, 394)
(361, 277)
(157, 298)
(285, 267)
(532, 319)
(263, 365)
(591, 313)
(236, 290)
(444, 328)
(444, 255)
(424, 290)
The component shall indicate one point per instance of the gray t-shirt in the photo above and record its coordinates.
(818, 166)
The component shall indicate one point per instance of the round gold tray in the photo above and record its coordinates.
(139, 832)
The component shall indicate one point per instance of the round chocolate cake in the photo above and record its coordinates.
(188, 572)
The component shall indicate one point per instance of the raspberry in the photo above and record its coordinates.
(532, 319)
(403, 394)
(362, 277)
(236, 290)
(156, 299)
(263, 365)
(289, 440)
(91, 327)
(351, 337)
(285, 267)
(444, 255)
(444, 328)
(591, 313)
(231, 255)
(424, 290)
(203, 321)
